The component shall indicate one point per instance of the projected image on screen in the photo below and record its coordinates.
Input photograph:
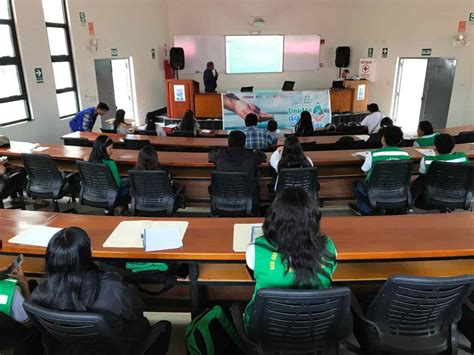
(254, 54)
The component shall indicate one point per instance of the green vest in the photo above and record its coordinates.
(458, 157)
(427, 141)
(114, 170)
(387, 153)
(7, 290)
(269, 271)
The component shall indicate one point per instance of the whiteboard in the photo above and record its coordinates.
(301, 52)
(198, 50)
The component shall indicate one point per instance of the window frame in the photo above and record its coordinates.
(64, 58)
(16, 60)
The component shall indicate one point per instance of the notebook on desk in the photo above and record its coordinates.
(361, 155)
(128, 234)
(245, 233)
(36, 235)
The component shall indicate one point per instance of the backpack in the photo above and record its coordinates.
(213, 333)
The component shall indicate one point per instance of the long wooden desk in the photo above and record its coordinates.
(369, 248)
(336, 169)
(205, 142)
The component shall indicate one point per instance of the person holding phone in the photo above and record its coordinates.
(210, 78)
(14, 290)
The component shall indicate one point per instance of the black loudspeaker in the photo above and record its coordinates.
(177, 58)
(343, 55)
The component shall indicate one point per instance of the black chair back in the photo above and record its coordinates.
(12, 332)
(417, 312)
(78, 142)
(108, 130)
(181, 133)
(147, 133)
(304, 178)
(74, 332)
(44, 179)
(231, 194)
(464, 137)
(448, 186)
(135, 144)
(151, 193)
(246, 89)
(354, 129)
(98, 187)
(300, 321)
(389, 184)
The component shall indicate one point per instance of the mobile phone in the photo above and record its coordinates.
(14, 265)
(3, 159)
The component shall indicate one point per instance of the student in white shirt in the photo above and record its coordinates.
(372, 121)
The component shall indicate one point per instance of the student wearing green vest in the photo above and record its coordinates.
(13, 292)
(426, 135)
(292, 253)
(101, 153)
(444, 144)
(392, 136)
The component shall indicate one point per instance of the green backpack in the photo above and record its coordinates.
(213, 333)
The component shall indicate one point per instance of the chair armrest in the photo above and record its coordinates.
(237, 311)
(162, 327)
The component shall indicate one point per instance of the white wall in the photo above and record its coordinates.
(133, 27)
(404, 26)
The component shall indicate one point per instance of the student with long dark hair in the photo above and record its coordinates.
(119, 123)
(101, 153)
(74, 283)
(291, 155)
(292, 253)
(150, 125)
(189, 123)
(304, 127)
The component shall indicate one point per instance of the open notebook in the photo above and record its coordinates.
(245, 233)
(128, 234)
(35, 235)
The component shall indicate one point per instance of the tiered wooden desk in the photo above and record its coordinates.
(369, 248)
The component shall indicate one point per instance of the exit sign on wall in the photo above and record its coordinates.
(426, 52)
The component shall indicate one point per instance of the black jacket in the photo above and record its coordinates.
(210, 81)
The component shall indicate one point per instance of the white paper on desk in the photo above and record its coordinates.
(22, 147)
(205, 131)
(162, 238)
(128, 234)
(362, 137)
(243, 235)
(172, 125)
(361, 155)
(426, 152)
(36, 235)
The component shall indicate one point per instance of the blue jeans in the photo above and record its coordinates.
(362, 197)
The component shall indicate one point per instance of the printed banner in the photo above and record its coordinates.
(284, 107)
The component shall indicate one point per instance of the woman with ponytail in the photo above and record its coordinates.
(292, 253)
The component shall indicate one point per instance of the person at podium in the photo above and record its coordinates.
(210, 78)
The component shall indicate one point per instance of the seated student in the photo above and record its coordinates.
(372, 121)
(236, 158)
(292, 253)
(189, 123)
(444, 144)
(392, 136)
(15, 290)
(376, 138)
(150, 125)
(119, 123)
(304, 127)
(101, 152)
(426, 134)
(73, 282)
(6, 171)
(256, 138)
(272, 129)
(85, 120)
(291, 155)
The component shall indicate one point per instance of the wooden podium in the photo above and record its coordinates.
(361, 94)
(180, 96)
(341, 100)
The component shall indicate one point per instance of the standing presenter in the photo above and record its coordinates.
(210, 78)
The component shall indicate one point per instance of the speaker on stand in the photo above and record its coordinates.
(343, 56)
(177, 59)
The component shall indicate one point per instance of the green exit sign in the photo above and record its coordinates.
(39, 76)
(471, 18)
(114, 52)
(426, 52)
(82, 18)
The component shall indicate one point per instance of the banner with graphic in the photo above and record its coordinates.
(283, 106)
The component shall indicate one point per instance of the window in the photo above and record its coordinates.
(61, 56)
(13, 100)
